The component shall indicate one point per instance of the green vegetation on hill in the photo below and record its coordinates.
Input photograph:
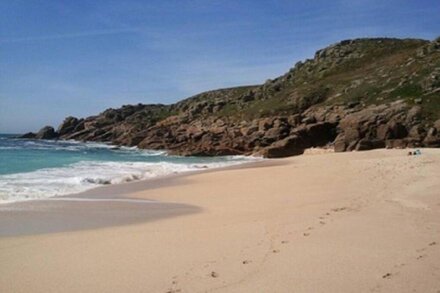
(369, 71)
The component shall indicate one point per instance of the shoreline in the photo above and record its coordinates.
(125, 188)
(204, 167)
(91, 165)
(338, 222)
(99, 205)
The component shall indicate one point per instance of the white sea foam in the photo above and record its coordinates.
(8, 148)
(84, 175)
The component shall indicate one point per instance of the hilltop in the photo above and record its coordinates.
(356, 95)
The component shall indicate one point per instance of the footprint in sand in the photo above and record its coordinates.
(424, 249)
(174, 283)
(174, 290)
(245, 262)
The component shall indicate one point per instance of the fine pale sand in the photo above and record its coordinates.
(328, 222)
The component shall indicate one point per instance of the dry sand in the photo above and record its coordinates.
(345, 222)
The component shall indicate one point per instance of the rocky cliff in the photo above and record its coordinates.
(356, 95)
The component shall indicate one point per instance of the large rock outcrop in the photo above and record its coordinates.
(47, 132)
(355, 95)
(69, 124)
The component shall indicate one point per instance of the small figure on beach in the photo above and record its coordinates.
(415, 153)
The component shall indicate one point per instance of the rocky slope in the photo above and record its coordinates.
(356, 95)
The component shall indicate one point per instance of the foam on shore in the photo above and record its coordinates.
(85, 175)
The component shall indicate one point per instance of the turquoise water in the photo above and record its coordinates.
(32, 169)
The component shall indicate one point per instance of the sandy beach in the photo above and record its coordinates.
(320, 222)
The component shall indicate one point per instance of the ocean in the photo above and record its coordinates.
(38, 169)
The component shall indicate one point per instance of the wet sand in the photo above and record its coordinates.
(105, 206)
(71, 214)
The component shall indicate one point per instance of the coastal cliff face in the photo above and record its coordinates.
(356, 95)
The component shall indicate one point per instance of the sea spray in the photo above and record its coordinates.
(41, 169)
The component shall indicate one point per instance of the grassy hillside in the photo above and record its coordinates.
(367, 71)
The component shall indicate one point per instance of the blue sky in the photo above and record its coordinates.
(60, 58)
